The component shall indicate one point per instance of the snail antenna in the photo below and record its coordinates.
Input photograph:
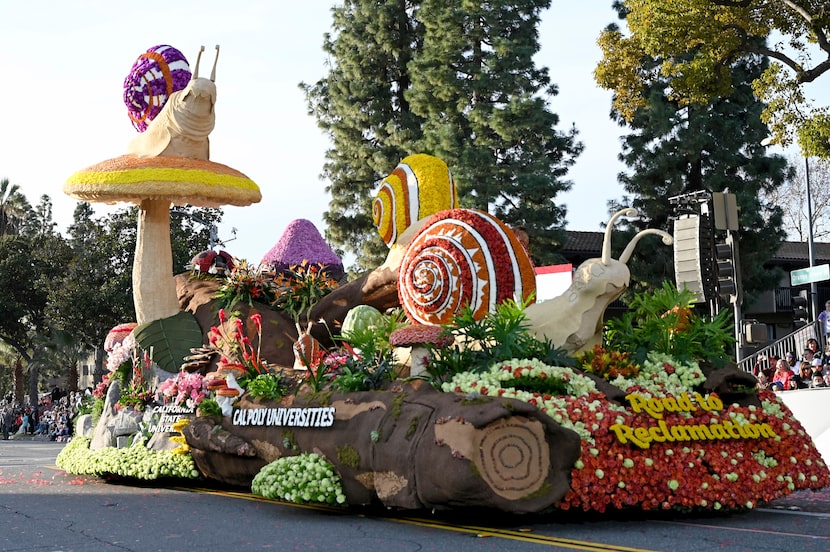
(213, 71)
(198, 59)
(606, 242)
(629, 249)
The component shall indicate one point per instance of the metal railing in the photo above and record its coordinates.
(795, 342)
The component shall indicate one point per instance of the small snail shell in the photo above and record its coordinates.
(420, 186)
(154, 76)
(462, 257)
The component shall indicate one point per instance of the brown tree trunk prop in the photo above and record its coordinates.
(410, 447)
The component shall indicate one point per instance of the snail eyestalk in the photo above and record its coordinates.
(629, 249)
(213, 71)
(606, 242)
(198, 59)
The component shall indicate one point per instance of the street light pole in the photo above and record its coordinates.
(810, 248)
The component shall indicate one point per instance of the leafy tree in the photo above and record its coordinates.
(792, 198)
(675, 150)
(453, 80)
(59, 354)
(484, 103)
(13, 208)
(697, 43)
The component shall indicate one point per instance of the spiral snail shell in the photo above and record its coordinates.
(154, 76)
(420, 186)
(462, 257)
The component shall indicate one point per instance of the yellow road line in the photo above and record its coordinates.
(436, 524)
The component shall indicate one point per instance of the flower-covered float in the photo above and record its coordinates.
(517, 406)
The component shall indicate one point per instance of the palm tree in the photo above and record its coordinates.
(13, 208)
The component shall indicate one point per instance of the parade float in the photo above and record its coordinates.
(433, 381)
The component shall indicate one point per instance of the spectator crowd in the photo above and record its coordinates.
(51, 418)
(809, 371)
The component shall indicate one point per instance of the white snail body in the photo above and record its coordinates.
(574, 319)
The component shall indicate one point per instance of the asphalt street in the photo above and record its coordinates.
(43, 508)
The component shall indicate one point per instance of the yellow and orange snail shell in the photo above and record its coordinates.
(421, 185)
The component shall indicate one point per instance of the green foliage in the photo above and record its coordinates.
(209, 407)
(135, 462)
(501, 335)
(696, 41)
(266, 386)
(304, 479)
(367, 372)
(661, 322)
(170, 339)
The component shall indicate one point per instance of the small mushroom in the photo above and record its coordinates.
(419, 337)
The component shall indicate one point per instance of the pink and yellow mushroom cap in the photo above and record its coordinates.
(156, 183)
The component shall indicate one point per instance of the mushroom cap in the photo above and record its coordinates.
(181, 180)
(117, 335)
(227, 392)
(420, 334)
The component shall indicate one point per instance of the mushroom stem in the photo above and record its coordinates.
(154, 289)
(418, 360)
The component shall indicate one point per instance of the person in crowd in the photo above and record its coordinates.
(791, 360)
(824, 318)
(804, 377)
(763, 380)
(807, 355)
(783, 376)
(817, 382)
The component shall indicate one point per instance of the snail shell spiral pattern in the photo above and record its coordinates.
(155, 75)
(462, 257)
(420, 185)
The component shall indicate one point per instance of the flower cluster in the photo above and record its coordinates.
(566, 409)
(305, 478)
(121, 353)
(135, 394)
(608, 364)
(662, 374)
(185, 389)
(136, 462)
(685, 474)
(301, 287)
(247, 283)
(717, 474)
(235, 348)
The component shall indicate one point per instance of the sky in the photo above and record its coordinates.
(63, 65)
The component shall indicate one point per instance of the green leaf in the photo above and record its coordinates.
(170, 339)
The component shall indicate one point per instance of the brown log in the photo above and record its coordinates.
(409, 447)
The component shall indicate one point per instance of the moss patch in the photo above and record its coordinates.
(348, 456)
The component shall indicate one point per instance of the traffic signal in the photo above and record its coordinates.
(799, 303)
(725, 264)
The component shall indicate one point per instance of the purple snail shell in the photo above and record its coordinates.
(154, 76)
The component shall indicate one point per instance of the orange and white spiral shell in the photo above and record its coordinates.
(462, 257)
(420, 186)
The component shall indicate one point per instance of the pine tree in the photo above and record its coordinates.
(484, 103)
(455, 80)
(676, 150)
(362, 107)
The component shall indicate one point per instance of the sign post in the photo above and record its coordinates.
(809, 275)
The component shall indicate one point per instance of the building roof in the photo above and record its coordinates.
(585, 245)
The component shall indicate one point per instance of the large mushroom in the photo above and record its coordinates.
(168, 165)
